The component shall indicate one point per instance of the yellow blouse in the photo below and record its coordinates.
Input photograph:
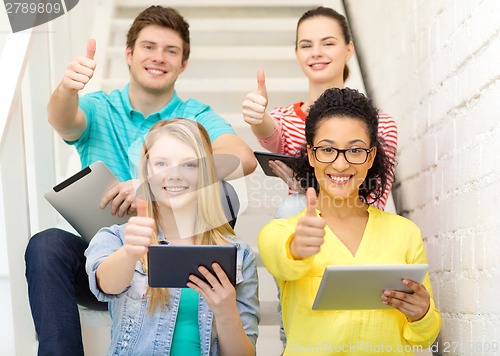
(387, 239)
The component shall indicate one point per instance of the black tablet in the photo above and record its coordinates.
(264, 157)
(169, 266)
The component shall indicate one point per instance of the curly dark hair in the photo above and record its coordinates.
(345, 103)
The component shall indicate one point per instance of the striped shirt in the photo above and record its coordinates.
(289, 138)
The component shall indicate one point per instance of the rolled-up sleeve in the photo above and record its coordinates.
(105, 242)
(424, 331)
(275, 142)
(274, 241)
(247, 296)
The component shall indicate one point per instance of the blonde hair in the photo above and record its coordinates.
(211, 222)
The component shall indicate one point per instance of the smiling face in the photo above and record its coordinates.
(340, 180)
(173, 171)
(156, 60)
(322, 51)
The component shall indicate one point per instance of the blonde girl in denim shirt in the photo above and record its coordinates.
(180, 207)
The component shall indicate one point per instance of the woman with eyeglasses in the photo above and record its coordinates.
(323, 48)
(342, 165)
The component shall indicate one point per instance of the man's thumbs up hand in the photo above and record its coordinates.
(91, 46)
(80, 70)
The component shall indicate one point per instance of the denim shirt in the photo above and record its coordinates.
(135, 331)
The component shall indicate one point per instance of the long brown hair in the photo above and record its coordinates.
(334, 15)
(211, 222)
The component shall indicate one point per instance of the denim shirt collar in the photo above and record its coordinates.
(163, 240)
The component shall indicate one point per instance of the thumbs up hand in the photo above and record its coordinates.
(261, 83)
(138, 231)
(141, 207)
(255, 103)
(80, 70)
(310, 230)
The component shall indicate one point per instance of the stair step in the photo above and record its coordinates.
(243, 130)
(226, 95)
(208, 9)
(246, 68)
(269, 342)
(215, 3)
(257, 216)
(268, 53)
(227, 53)
(225, 100)
(292, 85)
(201, 85)
(226, 31)
(264, 209)
(196, 25)
(93, 318)
(210, 63)
(269, 313)
(268, 289)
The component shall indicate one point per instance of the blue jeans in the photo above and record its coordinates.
(58, 282)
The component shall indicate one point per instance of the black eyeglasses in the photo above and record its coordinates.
(328, 154)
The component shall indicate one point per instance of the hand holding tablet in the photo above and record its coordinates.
(264, 157)
(358, 287)
(414, 305)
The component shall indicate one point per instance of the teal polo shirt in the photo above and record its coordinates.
(115, 131)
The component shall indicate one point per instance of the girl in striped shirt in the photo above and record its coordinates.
(323, 47)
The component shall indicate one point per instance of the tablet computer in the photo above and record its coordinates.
(264, 157)
(356, 287)
(169, 266)
(77, 199)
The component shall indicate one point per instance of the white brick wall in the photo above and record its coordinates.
(435, 66)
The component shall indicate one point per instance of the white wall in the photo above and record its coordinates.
(435, 66)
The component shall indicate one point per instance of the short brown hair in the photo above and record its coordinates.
(164, 17)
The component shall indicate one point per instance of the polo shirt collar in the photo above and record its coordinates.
(165, 112)
(126, 100)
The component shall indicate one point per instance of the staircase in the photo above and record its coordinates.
(230, 41)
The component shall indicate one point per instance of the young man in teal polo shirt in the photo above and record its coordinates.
(106, 127)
